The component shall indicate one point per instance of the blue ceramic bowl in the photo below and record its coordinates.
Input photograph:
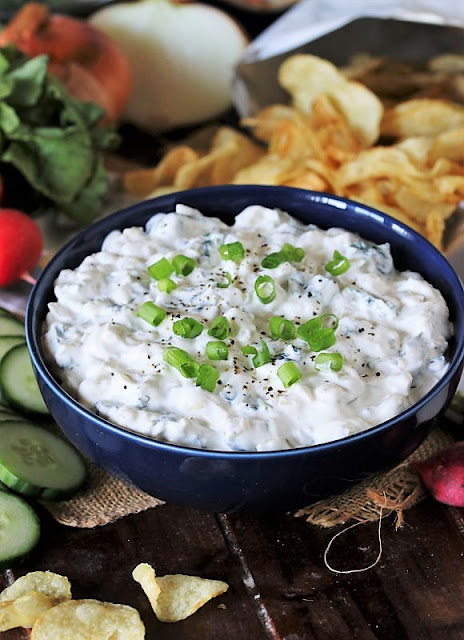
(232, 481)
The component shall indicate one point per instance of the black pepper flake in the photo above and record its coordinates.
(361, 329)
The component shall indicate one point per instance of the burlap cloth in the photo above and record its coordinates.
(105, 499)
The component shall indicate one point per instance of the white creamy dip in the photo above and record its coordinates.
(392, 333)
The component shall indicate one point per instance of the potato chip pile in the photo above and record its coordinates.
(394, 141)
(42, 601)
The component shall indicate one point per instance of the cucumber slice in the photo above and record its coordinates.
(10, 326)
(18, 383)
(19, 529)
(8, 415)
(36, 462)
(7, 342)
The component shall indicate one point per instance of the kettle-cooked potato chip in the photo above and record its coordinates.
(145, 575)
(422, 117)
(306, 76)
(53, 585)
(182, 595)
(176, 597)
(89, 620)
(23, 611)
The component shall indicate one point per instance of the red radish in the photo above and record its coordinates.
(443, 474)
(20, 246)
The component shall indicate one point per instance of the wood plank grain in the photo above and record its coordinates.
(415, 592)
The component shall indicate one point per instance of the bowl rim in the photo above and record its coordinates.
(39, 363)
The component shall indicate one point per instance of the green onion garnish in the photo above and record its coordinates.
(151, 313)
(161, 269)
(217, 350)
(294, 254)
(207, 377)
(259, 357)
(224, 285)
(319, 332)
(265, 289)
(187, 328)
(273, 260)
(332, 361)
(166, 285)
(219, 328)
(282, 328)
(289, 374)
(288, 253)
(323, 339)
(183, 265)
(182, 361)
(338, 265)
(232, 251)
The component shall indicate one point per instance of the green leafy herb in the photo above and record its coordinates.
(53, 140)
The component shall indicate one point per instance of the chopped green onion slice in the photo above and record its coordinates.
(288, 253)
(338, 265)
(294, 254)
(207, 377)
(232, 251)
(166, 285)
(161, 269)
(324, 321)
(249, 350)
(183, 265)
(319, 332)
(289, 374)
(273, 260)
(332, 361)
(182, 361)
(224, 285)
(322, 339)
(217, 350)
(282, 328)
(219, 328)
(259, 357)
(187, 328)
(265, 289)
(151, 313)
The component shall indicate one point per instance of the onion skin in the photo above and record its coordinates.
(84, 58)
(443, 474)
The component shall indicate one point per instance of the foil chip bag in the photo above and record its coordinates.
(335, 30)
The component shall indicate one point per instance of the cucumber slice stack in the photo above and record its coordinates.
(19, 529)
(37, 463)
(34, 462)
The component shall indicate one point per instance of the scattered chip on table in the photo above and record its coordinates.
(176, 597)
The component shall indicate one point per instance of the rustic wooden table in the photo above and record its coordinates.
(280, 587)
